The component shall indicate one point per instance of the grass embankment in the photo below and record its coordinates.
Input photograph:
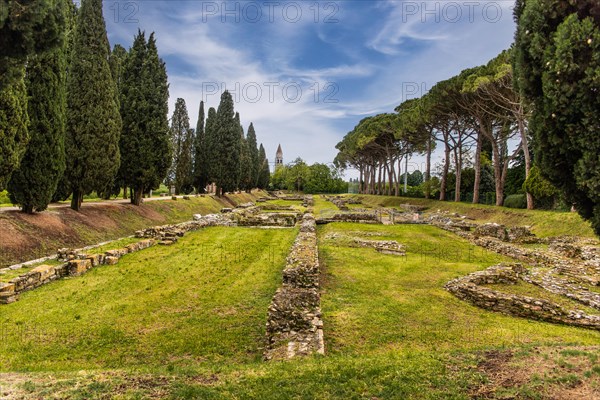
(543, 223)
(26, 237)
(188, 329)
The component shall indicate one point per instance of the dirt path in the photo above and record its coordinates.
(92, 203)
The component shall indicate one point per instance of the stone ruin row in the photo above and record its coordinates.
(470, 288)
(294, 323)
(75, 264)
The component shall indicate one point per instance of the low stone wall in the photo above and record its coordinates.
(469, 288)
(365, 218)
(77, 264)
(294, 324)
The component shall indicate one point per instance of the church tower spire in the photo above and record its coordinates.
(278, 157)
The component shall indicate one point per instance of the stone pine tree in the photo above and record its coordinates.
(264, 172)
(557, 67)
(34, 182)
(210, 146)
(227, 146)
(182, 143)
(254, 167)
(93, 119)
(14, 134)
(200, 167)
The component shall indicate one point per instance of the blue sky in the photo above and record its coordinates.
(305, 72)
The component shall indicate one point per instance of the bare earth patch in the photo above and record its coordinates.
(545, 373)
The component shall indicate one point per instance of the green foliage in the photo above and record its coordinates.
(93, 119)
(225, 158)
(33, 184)
(145, 146)
(316, 178)
(14, 134)
(182, 140)
(415, 178)
(27, 27)
(516, 201)
(264, 174)
(540, 188)
(557, 61)
(200, 155)
(254, 167)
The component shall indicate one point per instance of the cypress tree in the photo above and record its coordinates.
(210, 146)
(182, 141)
(14, 134)
(157, 88)
(245, 177)
(265, 173)
(254, 167)
(227, 146)
(33, 184)
(557, 68)
(200, 167)
(93, 119)
(27, 27)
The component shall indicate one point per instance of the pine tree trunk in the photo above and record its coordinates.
(428, 169)
(458, 165)
(27, 208)
(445, 173)
(497, 175)
(477, 167)
(125, 192)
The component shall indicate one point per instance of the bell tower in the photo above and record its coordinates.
(279, 157)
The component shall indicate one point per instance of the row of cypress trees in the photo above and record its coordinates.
(76, 117)
(217, 151)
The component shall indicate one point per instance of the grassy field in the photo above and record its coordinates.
(180, 322)
(27, 237)
(543, 223)
(201, 301)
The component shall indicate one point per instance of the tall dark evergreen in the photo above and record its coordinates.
(144, 144)
(244, 164)
(200, 156)
(557, 68)
(157, 88)
(27, 27)
(227, 146)
(264, 175)
(93, 119)
(254, 167)
(182, 140)
(33, 184)
(210, 145)
(14, 134)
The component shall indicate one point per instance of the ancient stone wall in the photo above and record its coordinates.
(76, 264)
(469, 288)
(294, 324)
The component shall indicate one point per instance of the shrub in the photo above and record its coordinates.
(4, 198)
(516, 201)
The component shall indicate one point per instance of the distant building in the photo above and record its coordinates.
(279, 157)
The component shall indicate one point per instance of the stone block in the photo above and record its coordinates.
(94, 259)
(111, 260)
(46, 272)
(79, 267)
(7, 287)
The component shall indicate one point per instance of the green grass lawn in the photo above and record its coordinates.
(192, 329)
(202, 300)
(543, 223)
